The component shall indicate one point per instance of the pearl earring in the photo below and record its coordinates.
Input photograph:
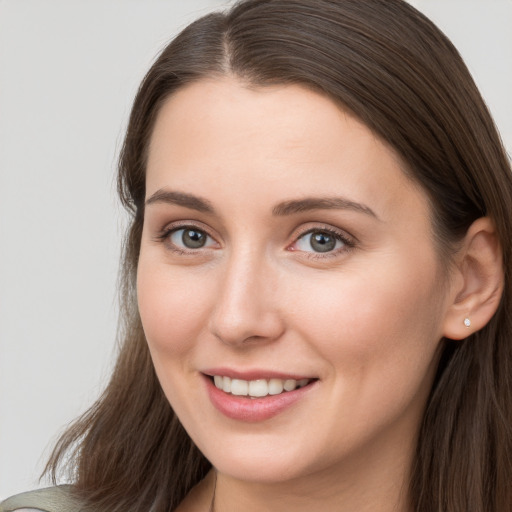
(467, 322)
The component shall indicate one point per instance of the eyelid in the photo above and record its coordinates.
(164, 235)
(310, 227)
(348, 240)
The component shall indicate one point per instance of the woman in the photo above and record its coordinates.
(317, 290)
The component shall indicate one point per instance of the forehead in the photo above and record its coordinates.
(218, 135)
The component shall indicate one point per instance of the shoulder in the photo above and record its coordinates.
(51, 499)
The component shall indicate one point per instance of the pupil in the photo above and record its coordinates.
(322, 242)
(193, 239)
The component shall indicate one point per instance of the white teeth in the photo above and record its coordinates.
(257, 388)
(275, 386)
(290, 384)
(226, 385)
(239, 387)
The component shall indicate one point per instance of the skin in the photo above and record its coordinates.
(365, 319)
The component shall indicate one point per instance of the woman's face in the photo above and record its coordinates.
(284, 246)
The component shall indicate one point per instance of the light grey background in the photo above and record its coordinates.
(68, 72)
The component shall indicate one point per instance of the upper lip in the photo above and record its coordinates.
(254, 374)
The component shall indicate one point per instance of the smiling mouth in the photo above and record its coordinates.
(258, 388)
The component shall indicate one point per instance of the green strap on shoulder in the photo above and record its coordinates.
(52, 499)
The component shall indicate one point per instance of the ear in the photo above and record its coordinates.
(478, 283)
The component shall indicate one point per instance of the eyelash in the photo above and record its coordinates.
(165, 234)
(348, 242)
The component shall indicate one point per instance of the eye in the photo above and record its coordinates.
(190, 238)
(320, 241)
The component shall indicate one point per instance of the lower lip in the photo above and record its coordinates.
(244, 408)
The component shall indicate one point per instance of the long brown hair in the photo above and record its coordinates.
(391, 67)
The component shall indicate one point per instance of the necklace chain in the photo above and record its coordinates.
(212, 503)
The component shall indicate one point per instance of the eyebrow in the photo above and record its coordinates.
(181, 199)
(282, 209)
(320, 203)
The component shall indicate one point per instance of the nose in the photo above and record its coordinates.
(247, 309)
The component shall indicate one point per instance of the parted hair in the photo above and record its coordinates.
(392, 68)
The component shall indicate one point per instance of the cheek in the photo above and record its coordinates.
(380, 342)
(378, 323)
(174, 308)
(173, 305)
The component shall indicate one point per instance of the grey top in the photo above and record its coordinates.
(51, 499)
(28, 510)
